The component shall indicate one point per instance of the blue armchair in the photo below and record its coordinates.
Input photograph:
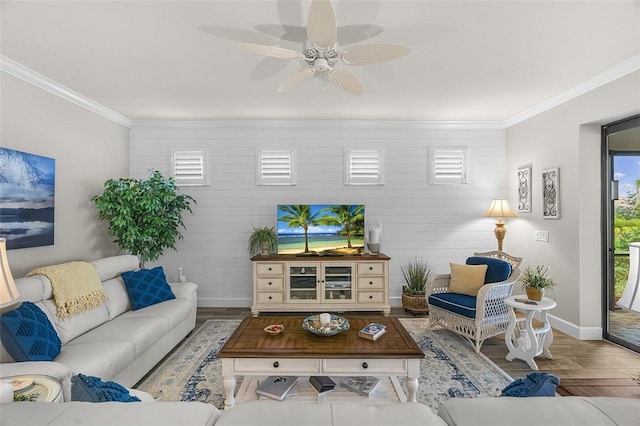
(476, 317)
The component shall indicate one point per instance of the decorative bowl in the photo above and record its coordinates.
(274, 329)
(335, 326)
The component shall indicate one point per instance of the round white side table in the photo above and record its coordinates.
(37, 387)
(523, 340)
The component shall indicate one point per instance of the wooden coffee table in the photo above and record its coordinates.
(250, 351)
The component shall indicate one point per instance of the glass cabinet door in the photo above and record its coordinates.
(338, 283)
(303, 282)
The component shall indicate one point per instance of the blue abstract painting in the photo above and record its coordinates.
(27, 198)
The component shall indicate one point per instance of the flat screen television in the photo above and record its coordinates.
(321, 229)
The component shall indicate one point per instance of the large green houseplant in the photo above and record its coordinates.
(416, 275)
(144, 215)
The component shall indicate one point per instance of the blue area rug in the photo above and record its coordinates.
(450, 369)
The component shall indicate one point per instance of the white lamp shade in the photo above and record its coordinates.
(9, 296)
(500, 208)
(630, 299)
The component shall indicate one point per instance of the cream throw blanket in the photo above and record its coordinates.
(76, 287)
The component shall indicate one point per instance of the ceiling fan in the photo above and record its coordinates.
(322, 54)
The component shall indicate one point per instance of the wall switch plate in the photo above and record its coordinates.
(542, 236)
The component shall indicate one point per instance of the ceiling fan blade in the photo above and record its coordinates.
(295, 80)
(373, 53)
(321, 24)
(272, 51)
(345, 80)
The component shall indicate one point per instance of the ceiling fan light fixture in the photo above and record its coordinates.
(321, 53)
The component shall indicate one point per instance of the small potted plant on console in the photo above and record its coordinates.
(263, 241)
(416, 275)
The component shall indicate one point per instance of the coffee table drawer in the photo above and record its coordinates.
(270, 283)
(365, 366)
(268, 297)
(270, 366)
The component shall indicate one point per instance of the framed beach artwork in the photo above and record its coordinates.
(551, 193)
(524, 189)
(27, 198)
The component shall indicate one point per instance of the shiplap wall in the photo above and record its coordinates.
(440, 223)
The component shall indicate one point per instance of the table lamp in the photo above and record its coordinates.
(500, 209)
(9, 296)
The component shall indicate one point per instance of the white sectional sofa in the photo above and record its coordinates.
(111, 342)
(540, 411)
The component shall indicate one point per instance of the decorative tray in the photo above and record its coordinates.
(335, 326)
(274, 329)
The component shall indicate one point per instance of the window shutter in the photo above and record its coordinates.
(363, 167)
(276, 168)
(448, 165)
(189, 168)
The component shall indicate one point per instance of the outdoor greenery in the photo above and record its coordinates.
(144, 215)
(416, 275)
(626, 230)
(265, 235)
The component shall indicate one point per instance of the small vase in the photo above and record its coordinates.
(534, 293)
(374, 248)
(264, 249)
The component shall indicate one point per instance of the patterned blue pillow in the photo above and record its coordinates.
(28, 335)
(93, 389)
(147, 287)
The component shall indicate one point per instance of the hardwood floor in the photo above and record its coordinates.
(588, 359)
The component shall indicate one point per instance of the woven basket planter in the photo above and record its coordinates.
(415, 304)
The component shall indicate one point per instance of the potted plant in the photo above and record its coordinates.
(416, 275)
(535, 281)
(144, 215)
(263, 241)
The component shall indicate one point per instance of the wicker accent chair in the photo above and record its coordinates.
(491, 314)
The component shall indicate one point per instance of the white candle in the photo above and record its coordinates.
(6, 392)
(325, 319)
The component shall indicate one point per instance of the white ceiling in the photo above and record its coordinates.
(469, 60)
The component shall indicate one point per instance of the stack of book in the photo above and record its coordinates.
(322, 384)
(362, 385)
(276, 387)
(372, 331)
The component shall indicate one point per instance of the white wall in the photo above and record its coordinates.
(435, 222)
(88, 150)
(568, 136)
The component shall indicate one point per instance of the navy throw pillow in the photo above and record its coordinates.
(147, 287)
(92, 389)
(497, 269)
(535, 384)
(28, 335)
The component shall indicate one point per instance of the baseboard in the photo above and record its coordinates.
(577, 332)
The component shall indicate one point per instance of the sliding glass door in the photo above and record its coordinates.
(621, 232)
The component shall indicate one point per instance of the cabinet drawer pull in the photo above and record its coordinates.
(270, 282)
(270, 268)
(371, 268)
(370, 282)
(370, 297)
(365, 365)
(272, 297)
(276, 364)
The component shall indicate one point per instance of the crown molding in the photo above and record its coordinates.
(624, 68)
(30, 76)
(313, 124)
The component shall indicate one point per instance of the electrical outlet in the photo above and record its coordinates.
(542, 236)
